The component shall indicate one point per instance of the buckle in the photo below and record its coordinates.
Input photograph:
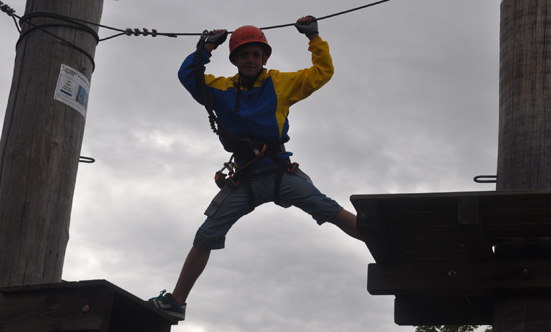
(292, 168)
(222, 180)
(232, 182)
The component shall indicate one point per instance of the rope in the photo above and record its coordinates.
(216, 126)
(74, 23)
(155, 33)
(199, 73)
(292, 24)
(327, 16)
(77, 23)
(79, 26)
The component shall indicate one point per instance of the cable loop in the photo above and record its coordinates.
(74, 24)
(86, 160)
(485, 179)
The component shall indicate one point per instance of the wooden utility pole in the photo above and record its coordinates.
(39, 156)
(524, 152)
(42, 138)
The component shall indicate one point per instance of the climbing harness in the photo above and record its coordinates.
(221, 178)
(246, 152)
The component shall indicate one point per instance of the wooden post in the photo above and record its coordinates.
(524, 152)
(41, 141)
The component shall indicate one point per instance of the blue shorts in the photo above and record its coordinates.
(294, 191)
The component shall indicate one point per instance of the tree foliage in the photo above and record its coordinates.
(450, 328)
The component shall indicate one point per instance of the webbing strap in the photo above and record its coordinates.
(224, 192)
(277, 185)
(286, 166)
(218, 199)
(299, 172)
(229, 187)
(252, 202)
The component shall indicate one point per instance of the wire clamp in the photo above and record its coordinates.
(138, 32)
(7, 9)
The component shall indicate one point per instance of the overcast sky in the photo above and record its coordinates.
(412, 108)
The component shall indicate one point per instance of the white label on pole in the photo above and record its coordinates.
(72, 89)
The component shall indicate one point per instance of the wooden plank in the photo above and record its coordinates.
(522, 313)
(446, 201)
(431, 245)
(519, 230)
(459, 278)
(524, 248)
(49, 309)
(373, 229)
(425, 218)
(432, 256)
(92, 306)
(432, 310)
(475, 240)
(465, 224)
(428, 232)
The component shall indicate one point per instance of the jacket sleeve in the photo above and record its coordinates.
(186, 74)
(301, 84)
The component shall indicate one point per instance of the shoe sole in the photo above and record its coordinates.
(166, 309)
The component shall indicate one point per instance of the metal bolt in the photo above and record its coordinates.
(452, 274)
(525, 273)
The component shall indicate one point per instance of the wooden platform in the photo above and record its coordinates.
(91, 306)
(456, 252)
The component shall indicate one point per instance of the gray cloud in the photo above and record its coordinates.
(412, 108)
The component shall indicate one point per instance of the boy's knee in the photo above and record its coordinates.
(206, 242)
(343, 217)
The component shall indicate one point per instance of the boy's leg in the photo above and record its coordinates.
(301, 192)
(211, 235)
(193, 267)
(346, 221)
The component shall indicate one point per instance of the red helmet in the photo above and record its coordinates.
(249, 34)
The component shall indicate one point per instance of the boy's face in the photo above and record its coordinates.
(250, 60)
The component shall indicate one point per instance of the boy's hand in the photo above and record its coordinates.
(216, 37)
(307, 25)
(212, 39)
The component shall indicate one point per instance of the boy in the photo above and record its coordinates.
(252, 109)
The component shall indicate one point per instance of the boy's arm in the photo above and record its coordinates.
(299, 85)
(186, 72)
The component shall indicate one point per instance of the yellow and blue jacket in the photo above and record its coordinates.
(261, 112)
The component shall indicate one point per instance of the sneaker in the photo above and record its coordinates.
(169, 305)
